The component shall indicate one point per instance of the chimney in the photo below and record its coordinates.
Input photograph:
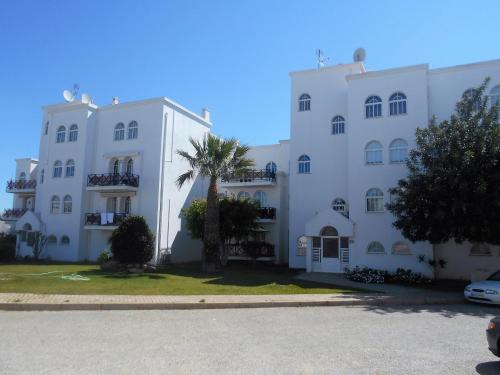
(205, 113)
(115, 100)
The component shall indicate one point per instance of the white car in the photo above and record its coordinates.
(486, 291)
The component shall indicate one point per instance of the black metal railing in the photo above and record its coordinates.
(21, 184)
(268, 213)
(250, 176)
(251, 249)
(104, 218)
(14, 213)
(113, 179)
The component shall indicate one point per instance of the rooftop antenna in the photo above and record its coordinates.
(322, 59)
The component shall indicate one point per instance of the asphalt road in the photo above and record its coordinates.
(309, 340)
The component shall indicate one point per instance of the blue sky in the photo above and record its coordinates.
(232, 56)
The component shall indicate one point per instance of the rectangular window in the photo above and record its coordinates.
(375, 204)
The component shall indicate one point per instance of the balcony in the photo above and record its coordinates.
(104, 220)
(250, 178)
(21, 186)
(112, 182)
(13, 213)
(267, 215)
(251, 250)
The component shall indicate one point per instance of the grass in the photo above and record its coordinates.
(178, 280)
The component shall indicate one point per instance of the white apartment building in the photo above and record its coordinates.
(322, 193)
(97, 165)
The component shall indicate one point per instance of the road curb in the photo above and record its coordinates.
(375, 301)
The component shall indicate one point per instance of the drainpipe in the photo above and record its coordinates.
(162, 174)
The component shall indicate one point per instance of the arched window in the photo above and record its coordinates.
(51, 240)
(42, 176)
(338, 125)
(304, 164)
(61, 134)
(480, 249)
(401, 248)
(64, 240)
(115, 166)
(243, 195)
(70, 168)
(398, 151)
(57, 169)
(339, 205)
(119, 132)
(373, 107)
(128, 206)
(55, 205)
(271, 167)
(373, 153)
(304, 103)
(67, 204)
(46, 131)
(130, 167)
(133, 130)
(495, 96)
(22, 176)
(375, 247)
(470, 94)
(328, 231)
(397, 104)
(301, 246)
(73, 133)
(260, 197)
(374, 200)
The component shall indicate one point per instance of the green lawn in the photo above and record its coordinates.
(179, 280)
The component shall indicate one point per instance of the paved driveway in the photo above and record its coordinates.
(313, 340)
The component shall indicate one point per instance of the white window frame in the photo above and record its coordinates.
(304, 164)
(58, 169)
(243, 195)
(338, 125)
(73, 133)
(301, 248)
(375, 247)
(132, 130)
(339, 205)
(374, 202)
(119, 134)
(373, 107)
(397, 104)
(70, 168)
(260, 197)
(67, 204)
(55, 204)
(61, 134)
(396, 147)
(271, 167)
(374, 151)
(304, 102)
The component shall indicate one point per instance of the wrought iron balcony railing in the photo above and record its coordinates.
(250, 176)
(251, 249)
(267, 213)
(14, 213)
(112, 179)
(105, 218)
(14, 185)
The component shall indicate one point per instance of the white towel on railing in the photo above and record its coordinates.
(104, 218)
(110, 217)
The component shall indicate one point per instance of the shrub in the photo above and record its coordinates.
(103, 257)
(7, 247)
(373, 276)
(132, 241)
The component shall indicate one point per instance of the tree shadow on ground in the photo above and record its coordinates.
(448, 311)
(121, 275)
(488, 368)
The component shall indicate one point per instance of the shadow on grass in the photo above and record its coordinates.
(235, 274)
(447, 311)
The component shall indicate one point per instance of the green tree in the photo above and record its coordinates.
(132, 241)
(213, 158)
(237, 219)
(452, 190)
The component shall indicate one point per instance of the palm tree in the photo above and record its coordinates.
(214, 158)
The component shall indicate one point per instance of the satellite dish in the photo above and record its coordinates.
(359, 55)
(86, 99)
(68, 96)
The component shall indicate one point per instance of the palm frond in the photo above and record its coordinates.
(185, 177)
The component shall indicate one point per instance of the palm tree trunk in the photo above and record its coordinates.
(211, 238)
